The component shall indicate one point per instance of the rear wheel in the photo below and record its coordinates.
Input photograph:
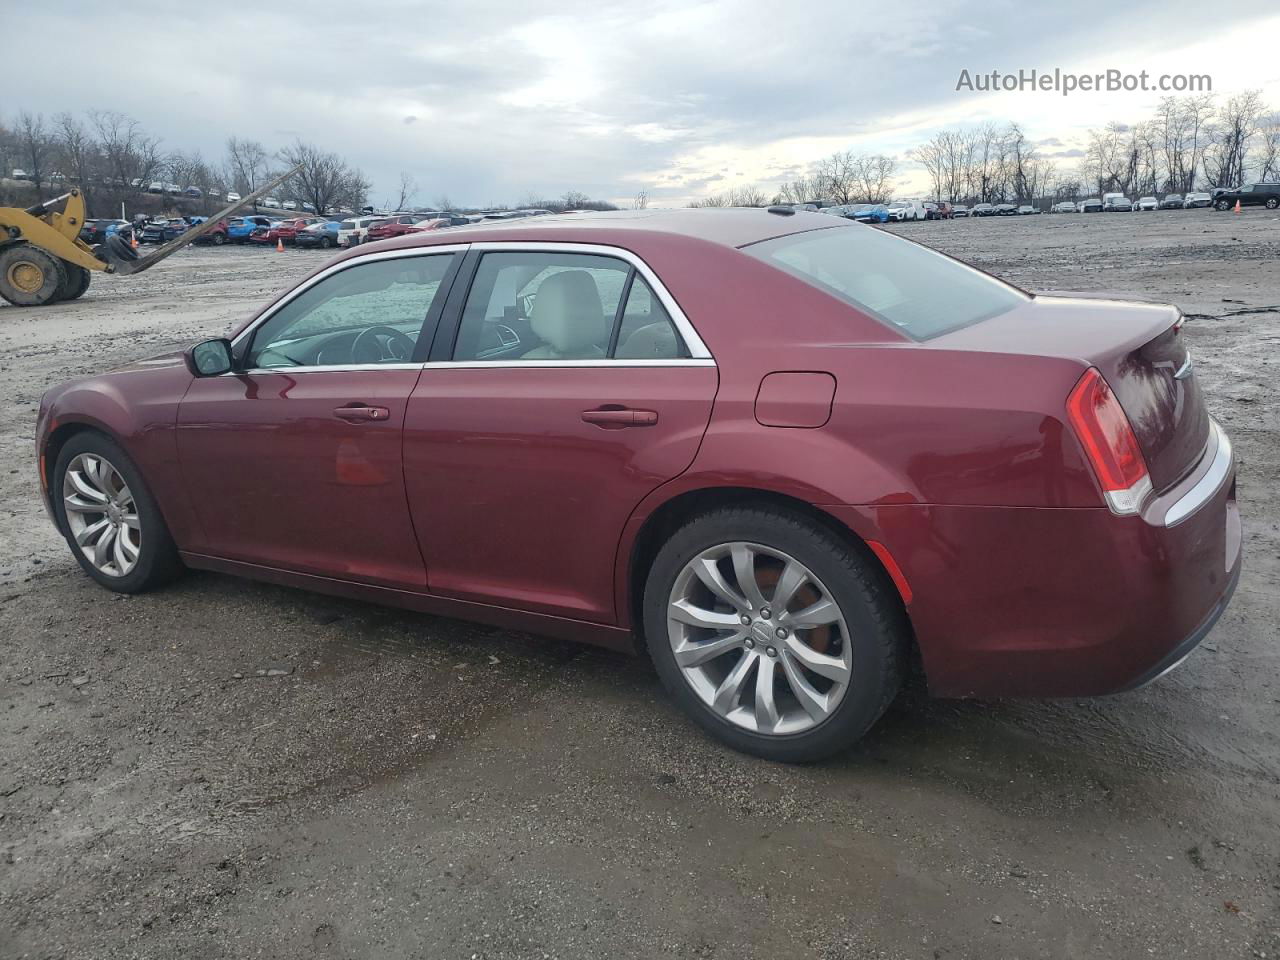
(774, 635)
(77, 281)
(219, 239)
(1272, 203)
(30, 277)
(325, 243)
(109, 518)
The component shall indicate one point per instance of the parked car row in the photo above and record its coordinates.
(1265, 194)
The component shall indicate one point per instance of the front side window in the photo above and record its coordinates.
(905, 285)
(368, 313)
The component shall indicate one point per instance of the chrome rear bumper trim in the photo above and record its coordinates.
(1207, 485)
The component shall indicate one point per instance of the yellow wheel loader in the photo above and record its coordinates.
(43, 260)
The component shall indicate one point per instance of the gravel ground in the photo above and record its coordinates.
(395, 785)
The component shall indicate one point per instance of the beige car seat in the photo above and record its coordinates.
(568, 316)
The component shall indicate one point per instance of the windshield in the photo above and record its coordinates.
(907, 286)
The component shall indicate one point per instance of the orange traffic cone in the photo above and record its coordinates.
(279, 245)
(133, 239)
(1237, 209)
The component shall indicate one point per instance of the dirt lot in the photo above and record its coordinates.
(403, 786)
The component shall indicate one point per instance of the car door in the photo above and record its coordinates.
(565, 385)
(294, 460)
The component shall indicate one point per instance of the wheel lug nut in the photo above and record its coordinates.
(749, 643)
(782, 633)
(771, 651)
(746, 621)
(765, 613)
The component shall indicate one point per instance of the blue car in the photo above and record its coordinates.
(868, 212)
(322, 235)
(162, 231)
(239, 229)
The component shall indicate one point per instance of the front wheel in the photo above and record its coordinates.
(109, 518)
(30, 277)
(1223, 205)
(219, 239)
(773, 634)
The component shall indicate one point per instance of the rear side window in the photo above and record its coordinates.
(646, 331)
(909, 287)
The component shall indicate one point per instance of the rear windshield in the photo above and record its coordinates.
(907, 286)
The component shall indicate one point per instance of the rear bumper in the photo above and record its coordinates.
(1067, 601)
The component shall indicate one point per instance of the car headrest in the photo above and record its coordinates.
(567, 312)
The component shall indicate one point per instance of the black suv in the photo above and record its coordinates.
(1253, 194)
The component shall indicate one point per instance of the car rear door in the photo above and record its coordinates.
(295, 461)
(565, 385)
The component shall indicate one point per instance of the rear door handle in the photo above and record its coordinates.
(357, 413)
(613, 418)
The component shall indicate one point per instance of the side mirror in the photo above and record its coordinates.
(210, 358)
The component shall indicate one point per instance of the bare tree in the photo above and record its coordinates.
(1230, 138)
(874, 177)
(77, 154)
(408, 190)
(325, 180)
(641, 201)
(129, 157)
(836, 177)
(747, 197)
(799, 190)
(248, 164)
(1267, 161)
(35, 147)
(443, 202)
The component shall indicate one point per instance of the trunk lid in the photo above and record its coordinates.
(1137, 347)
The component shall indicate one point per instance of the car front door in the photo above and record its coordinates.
(564, 387)
(294, 460)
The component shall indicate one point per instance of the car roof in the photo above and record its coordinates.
(730, 227)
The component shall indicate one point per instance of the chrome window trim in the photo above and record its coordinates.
(324, 275)
(473, 365)
(699, 356)
(1207, 485)
(557, 364)
(692, 341)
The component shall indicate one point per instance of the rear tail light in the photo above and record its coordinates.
(1104, 431)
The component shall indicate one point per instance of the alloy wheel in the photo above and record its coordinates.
(102, 514)
(759, 638)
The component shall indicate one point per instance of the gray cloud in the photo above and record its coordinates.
(491, 100)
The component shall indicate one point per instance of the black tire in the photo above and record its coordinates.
(157, 562)
(77, 281)
(219, 238)
(30, 277)
(325, 243)
(877, 623)
(1223, 205)
(1272, 203)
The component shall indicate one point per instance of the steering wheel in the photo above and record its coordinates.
(380, 343)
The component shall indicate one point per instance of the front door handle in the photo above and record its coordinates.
(613, 417)
(357, 413)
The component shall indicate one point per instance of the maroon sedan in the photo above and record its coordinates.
(787, 453)
(396, 226)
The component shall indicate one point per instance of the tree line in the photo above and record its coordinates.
(112, 159)
(1189, 143)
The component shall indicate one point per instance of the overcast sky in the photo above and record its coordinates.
(487, 101)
